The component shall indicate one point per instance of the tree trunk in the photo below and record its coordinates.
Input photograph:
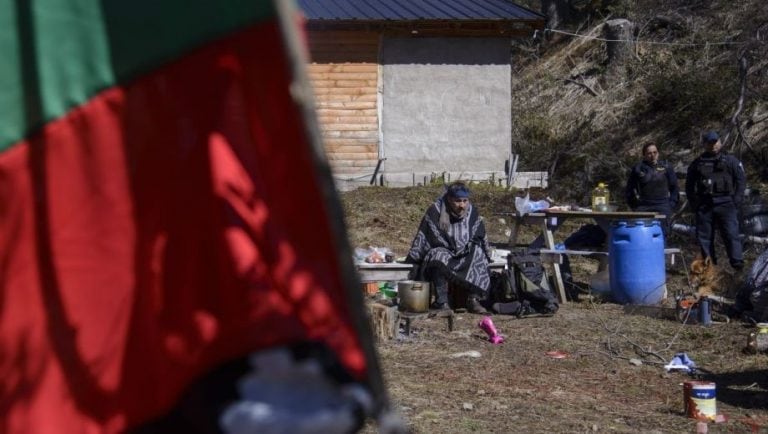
(557, 12)
(619, 33)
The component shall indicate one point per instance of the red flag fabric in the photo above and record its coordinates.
(163, 226)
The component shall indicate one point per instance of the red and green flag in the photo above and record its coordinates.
(164, 209)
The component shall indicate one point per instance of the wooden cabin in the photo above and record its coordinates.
(409, 90)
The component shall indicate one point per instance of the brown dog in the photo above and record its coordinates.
(705, 277)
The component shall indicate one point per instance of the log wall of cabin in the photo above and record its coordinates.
(344, 72)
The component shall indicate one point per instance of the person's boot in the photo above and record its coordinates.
(525, 309)
(474, 306)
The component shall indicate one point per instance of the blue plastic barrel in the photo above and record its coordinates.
(636, 261)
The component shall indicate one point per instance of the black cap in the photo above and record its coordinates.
(711, 137)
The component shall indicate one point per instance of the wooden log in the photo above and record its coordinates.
(385, 321)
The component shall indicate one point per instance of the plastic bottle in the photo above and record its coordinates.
(705, 315)
(600, 197)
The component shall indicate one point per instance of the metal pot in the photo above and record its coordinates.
(413, 295)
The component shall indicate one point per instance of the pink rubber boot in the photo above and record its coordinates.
(493, 335)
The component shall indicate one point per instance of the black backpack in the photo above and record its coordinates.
(524, 281)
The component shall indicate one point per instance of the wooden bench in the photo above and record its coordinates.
(395, 271)
(548, 221)
(554, 256)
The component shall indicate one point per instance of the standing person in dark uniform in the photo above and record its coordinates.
(652, 185)
(715, 187)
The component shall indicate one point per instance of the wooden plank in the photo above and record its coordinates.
(330, 84)
(350, 163)
(354, 127)
(352, 171)
(326, 97)
(342, 67)
(397, 271)
(351, 134)
(322, 112)
(608, 214)
(360, 102)
(349, 119)
(351, 142)
(356, 148)
(349, 127)
(353, 156)
(343, 75)
(369, 90)
(550, 242)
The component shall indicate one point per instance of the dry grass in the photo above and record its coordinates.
(668, 94)
(515, 386)
(581, 124)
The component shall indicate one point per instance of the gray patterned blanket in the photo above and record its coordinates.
(461, 253)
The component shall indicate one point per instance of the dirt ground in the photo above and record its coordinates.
(611, 378)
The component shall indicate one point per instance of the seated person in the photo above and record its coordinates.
(451, 246)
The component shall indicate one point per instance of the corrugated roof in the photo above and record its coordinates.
(416, 10)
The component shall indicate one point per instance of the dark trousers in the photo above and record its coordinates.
(659, 208)
(440, 282)
(722, 218)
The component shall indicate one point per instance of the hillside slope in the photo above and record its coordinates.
(693, 66)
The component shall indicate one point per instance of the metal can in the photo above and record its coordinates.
(699, 400)
(757, 342)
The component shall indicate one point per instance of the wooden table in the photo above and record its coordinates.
(549, 221)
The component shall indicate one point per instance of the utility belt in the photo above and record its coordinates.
(711, 200)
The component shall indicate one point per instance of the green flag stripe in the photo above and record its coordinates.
(59, 53)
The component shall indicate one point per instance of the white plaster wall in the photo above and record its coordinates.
(446, 107)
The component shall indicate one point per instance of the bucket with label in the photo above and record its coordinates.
(699, 400)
